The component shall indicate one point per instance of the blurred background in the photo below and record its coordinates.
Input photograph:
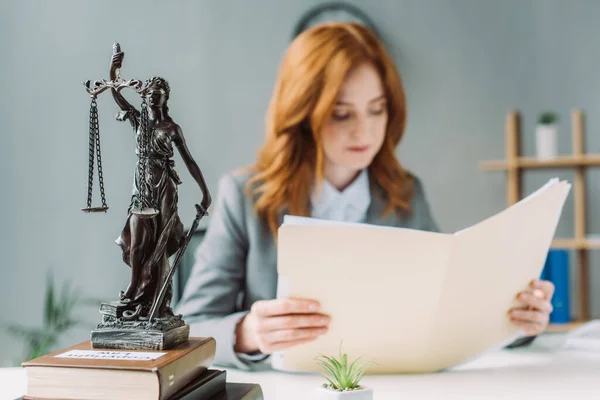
(465, 65)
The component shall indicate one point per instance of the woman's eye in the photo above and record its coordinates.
(378, 111)
(340, 116)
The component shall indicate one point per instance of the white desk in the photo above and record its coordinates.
(536, 372)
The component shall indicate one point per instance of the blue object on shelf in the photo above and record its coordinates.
(556, 270)
(544, 275)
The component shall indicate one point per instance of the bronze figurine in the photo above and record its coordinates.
(142, 318)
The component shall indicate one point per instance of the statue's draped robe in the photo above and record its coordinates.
(162, 234)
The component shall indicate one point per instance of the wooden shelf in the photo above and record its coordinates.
(515, 166)
(561, 328)
(588, 160)
(576, 244)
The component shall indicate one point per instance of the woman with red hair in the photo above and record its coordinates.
(337, 114)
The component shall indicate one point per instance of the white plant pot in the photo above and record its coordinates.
(546, 141)
(330, 394)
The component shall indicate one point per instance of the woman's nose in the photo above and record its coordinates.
(360, 128)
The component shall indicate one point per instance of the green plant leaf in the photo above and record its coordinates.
(360, 373)
(17, 330)
(329, 371)
(41, 347)
(66, 324)
(353, 374)
(49, 301)
(547, 118)
(38, 341)
(31, 335)
(344, 371)
(63, 306)
(334, 362)
(333, 373)
(69, 298)
(66, 298)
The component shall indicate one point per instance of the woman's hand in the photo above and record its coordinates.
(273, 325)
(534, 316)
(116, 61)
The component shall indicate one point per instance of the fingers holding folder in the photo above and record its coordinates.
(274, 325)
(534, 317)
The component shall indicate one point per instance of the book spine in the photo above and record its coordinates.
(556, 271)
(176, 375)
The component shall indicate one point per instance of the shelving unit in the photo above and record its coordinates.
(515, 165)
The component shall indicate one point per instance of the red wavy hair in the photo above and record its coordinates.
(309, 80)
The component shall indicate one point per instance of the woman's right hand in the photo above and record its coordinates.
(273, 325)
(116, 61)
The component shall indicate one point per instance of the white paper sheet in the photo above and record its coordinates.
(112, 355)
(584, 338)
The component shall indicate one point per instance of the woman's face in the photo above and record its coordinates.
(156, 96)
(356, 129)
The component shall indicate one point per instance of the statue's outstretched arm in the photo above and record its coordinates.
(193, 168)
(116, 62)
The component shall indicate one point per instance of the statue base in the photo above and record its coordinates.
(121, 328)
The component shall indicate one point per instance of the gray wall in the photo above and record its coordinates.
(465, 63)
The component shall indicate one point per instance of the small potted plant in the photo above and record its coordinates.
(546, 135)
(343, 379)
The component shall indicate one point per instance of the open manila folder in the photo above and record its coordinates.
(412, 301)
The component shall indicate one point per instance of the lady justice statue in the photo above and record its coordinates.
(153, 232)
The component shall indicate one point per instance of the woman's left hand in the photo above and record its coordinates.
(534, 316)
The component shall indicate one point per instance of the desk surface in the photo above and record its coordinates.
(539, 371)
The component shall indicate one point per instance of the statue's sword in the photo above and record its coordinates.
(200, 212)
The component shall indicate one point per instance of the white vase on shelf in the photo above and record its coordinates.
(546, 138)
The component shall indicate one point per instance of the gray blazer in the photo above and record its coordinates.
(236, 263)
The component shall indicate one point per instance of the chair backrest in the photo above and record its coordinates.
(184, 270)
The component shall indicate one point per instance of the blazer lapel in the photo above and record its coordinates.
(375, 212)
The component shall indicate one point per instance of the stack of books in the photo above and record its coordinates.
(82, 372)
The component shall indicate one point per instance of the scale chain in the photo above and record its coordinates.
(99, 159)
(93, 116)
(94, 152)
(143, 156)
